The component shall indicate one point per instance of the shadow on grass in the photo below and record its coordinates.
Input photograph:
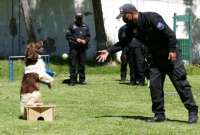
(127, 82)
(21, 117)
(142, 118)
(180, 121)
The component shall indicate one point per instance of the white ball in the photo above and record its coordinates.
(64, 56)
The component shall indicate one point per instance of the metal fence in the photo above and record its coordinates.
(11, 65)
(185, 45)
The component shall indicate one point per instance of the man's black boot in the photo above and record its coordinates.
(193, 117)
(133, 83)
(71, 83)
(82, 82)
(122, 80)
(141, 84)
(158, 118)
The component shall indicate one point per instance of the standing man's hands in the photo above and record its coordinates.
(81, 41)
(102, 55)
(172, 56)
(78, 40)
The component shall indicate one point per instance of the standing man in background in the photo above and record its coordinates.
(78, 37)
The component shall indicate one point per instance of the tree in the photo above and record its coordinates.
(28, 20)
(99, 24)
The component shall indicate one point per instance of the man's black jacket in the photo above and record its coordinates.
(75, 31)
(131, 42)
(154, 33)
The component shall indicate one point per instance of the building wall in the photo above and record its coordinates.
(166, 8)
(5, 38)
(50, 18)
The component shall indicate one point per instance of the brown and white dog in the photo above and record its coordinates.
(35, 72)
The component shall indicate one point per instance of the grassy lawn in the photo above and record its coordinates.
(103, 107)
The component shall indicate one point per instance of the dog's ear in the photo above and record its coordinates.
(39, 44)
(31, 51)
(39, 47)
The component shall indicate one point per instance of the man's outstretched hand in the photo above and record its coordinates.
(102, 55)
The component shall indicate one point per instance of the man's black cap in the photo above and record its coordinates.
(126, 8)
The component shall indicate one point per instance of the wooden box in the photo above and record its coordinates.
(43, 112)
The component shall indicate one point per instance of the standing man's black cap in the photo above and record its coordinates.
(126, 8)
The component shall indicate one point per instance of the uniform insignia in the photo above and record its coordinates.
(160, 26)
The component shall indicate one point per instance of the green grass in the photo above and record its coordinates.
(103, 107)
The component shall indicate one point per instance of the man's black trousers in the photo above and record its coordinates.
(124, 62)
(136, 61)
(77, 64)
(177, 75)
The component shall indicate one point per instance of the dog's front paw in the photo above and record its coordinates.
(49, 85)
(30, 104)
(38, 104)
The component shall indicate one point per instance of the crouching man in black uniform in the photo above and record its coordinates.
(124, 63)
(124, 56)
(133, 54)
(154, 33)
(137, 62)
(78, 36)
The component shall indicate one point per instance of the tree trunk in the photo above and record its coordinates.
(28, 20)
(99, 25)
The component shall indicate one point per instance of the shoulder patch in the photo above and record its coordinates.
(160, 25)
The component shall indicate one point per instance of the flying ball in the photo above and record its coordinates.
(64, 56)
